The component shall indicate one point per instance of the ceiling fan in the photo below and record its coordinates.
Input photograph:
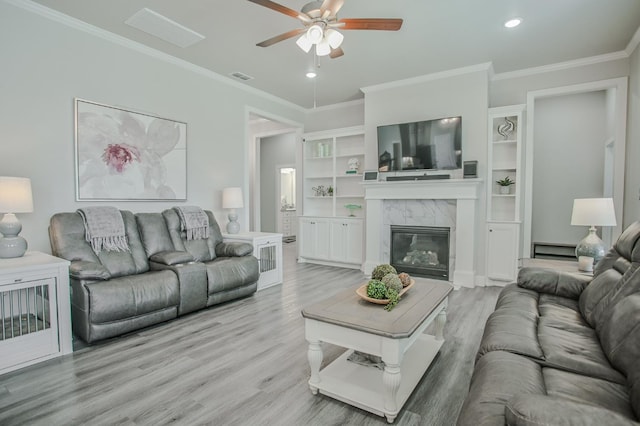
(320, 26)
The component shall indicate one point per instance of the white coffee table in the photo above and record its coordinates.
(398, 337)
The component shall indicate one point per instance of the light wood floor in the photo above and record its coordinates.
(242, 363)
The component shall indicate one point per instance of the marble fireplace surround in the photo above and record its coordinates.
(450, 203)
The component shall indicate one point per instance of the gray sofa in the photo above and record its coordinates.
(563, 348)
(161, 277)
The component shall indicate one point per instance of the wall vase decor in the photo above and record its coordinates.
(506, 129)
(126, 155)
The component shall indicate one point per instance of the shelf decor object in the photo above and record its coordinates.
(506, 129)
(592, 212)
(15, 197)
(232, 199)
(351, 208)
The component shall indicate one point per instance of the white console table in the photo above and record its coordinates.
(267, 248)
(35, 314)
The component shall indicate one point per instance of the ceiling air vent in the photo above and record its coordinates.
(241, 76)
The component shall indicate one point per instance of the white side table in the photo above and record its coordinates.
(267, 248)
(35, 314)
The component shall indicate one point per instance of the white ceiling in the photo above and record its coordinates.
(437, 35)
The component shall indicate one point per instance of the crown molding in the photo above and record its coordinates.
(561, 66)
(79, 25)
(428, 77)
(633, 43)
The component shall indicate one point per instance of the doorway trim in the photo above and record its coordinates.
(252, 156)
(617, 89)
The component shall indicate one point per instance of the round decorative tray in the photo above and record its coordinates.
(362, 292)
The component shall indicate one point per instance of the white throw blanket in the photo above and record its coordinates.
(194, 222)
(104, 228)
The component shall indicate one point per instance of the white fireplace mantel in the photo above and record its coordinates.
(464, 191)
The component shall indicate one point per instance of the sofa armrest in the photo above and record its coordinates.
(171, 258)
(536, 410)
(553, 282)
(233, 249)
(85, 270)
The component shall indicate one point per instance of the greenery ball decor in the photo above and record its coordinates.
(392, 281)
(381, 270)
(405, 278)
(376, 289)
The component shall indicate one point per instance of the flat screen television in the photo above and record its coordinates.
(421, 145)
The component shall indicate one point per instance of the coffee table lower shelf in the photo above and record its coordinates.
(362, 386)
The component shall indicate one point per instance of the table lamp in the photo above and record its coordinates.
(592, 212)
(232, 199)
(15, 197)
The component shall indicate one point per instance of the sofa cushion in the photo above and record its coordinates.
(575, 349)
(537, 410)
(202, 250)
(154, 233)
(608, 289)
(497, 377)
(513, 325)
(131, 296)
(588, 390)
(228, 273)
(620, 338)
(67, 236)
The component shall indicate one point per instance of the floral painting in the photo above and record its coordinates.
(125, 155)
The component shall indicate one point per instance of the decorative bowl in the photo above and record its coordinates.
(362, 292)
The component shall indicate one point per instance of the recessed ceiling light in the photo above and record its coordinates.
(311, 74)
(511, 23)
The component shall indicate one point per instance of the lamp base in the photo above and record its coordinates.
(591, 246)
(12, 245)
(233, 227)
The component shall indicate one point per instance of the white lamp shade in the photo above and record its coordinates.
(334, 38)
(323, 48)
(593, 212)
(232, 198)
(304, 43)
(315, 33)
(15, 195)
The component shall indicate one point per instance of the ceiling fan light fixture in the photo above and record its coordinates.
(323, 48)
(334, 38)
(311, 74)
(304, 43)
(512, 23)
(315, 33)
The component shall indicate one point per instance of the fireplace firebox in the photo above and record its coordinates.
(421, 251)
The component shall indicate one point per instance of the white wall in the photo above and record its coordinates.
(632, 181)
(338, 116)
(570, 135)
(463, 95)
(45, 64)
(512, 88)
(279, 150)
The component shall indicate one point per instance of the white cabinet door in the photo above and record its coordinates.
(346, 241)
(314, 238)
(502, 251)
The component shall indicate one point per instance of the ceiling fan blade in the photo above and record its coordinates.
(281, 37)
(370, 24)
(336, 53)
(282, 9)
(330, 8)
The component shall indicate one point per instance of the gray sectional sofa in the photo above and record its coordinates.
(161, 277)
(563, 348)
